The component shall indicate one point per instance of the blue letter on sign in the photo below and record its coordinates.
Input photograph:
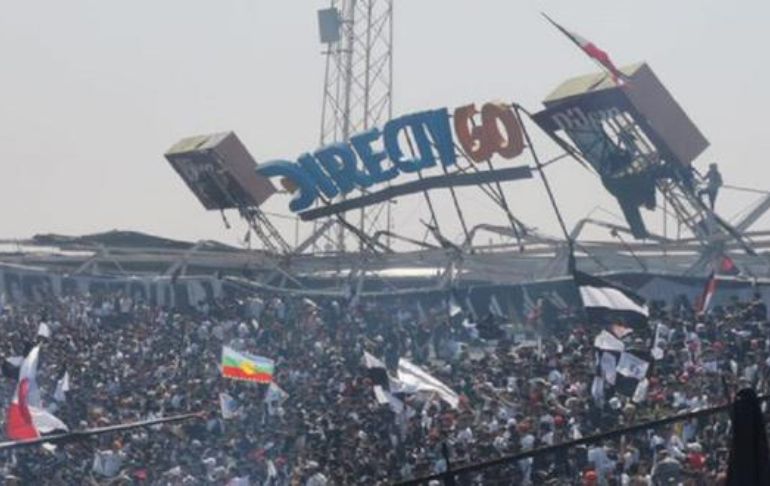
(441, 132)
(322, 181)
(306, 189)
(423, 126)
(371, 159)
(339, 160)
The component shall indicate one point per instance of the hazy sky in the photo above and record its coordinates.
(92, 92)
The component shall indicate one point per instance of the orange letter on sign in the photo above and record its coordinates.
(513, 143)
(480, 142)
(471, 137)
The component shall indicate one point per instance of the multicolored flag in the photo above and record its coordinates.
(592, 51)
(244, 366)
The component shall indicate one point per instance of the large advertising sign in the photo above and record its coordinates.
(219, 171)
(408, 144)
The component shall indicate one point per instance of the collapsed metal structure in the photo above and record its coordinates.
(537, 258)
(617, 124)
(633, 135)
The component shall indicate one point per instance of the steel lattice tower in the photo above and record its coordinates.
(358, 86)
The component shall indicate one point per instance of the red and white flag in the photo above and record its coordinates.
(726, 266)
(26, 418)
(592, 50)
(704, 301)
(19, 425)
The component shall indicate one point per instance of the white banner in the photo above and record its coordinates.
(608, 365)
(413, 377)
(632, 367)
(607, 342)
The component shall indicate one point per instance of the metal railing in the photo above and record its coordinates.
(448, 477)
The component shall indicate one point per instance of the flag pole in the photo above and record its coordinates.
(551, 197)
(571, 37)
(563, 31)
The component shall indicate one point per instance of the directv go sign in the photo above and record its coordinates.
(362, 162)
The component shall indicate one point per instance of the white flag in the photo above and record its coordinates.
(42, 420)
(45, 422)
(412, 377)
(272, 472)
(107, 463)
(640, 394)
(386, 398)
(607, 342)
(371, 362)
(597, 391)
(454, 307)
(228, 405)
(632, 367)
(275, 394)
(62, 387)
(609, 364)
(43, 330)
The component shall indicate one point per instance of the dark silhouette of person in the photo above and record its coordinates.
(713, 183)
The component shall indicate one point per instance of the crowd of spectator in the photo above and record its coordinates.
(521, 386)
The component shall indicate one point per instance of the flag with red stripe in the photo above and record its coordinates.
(726, 266)
(26, 418)
(704, 301)
(18, 420)
(592, 50)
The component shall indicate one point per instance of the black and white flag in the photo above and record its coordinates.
(631, 371)
(376, 371)
(606, 303)
(632, 366)
(605, 341)
(413, 379)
